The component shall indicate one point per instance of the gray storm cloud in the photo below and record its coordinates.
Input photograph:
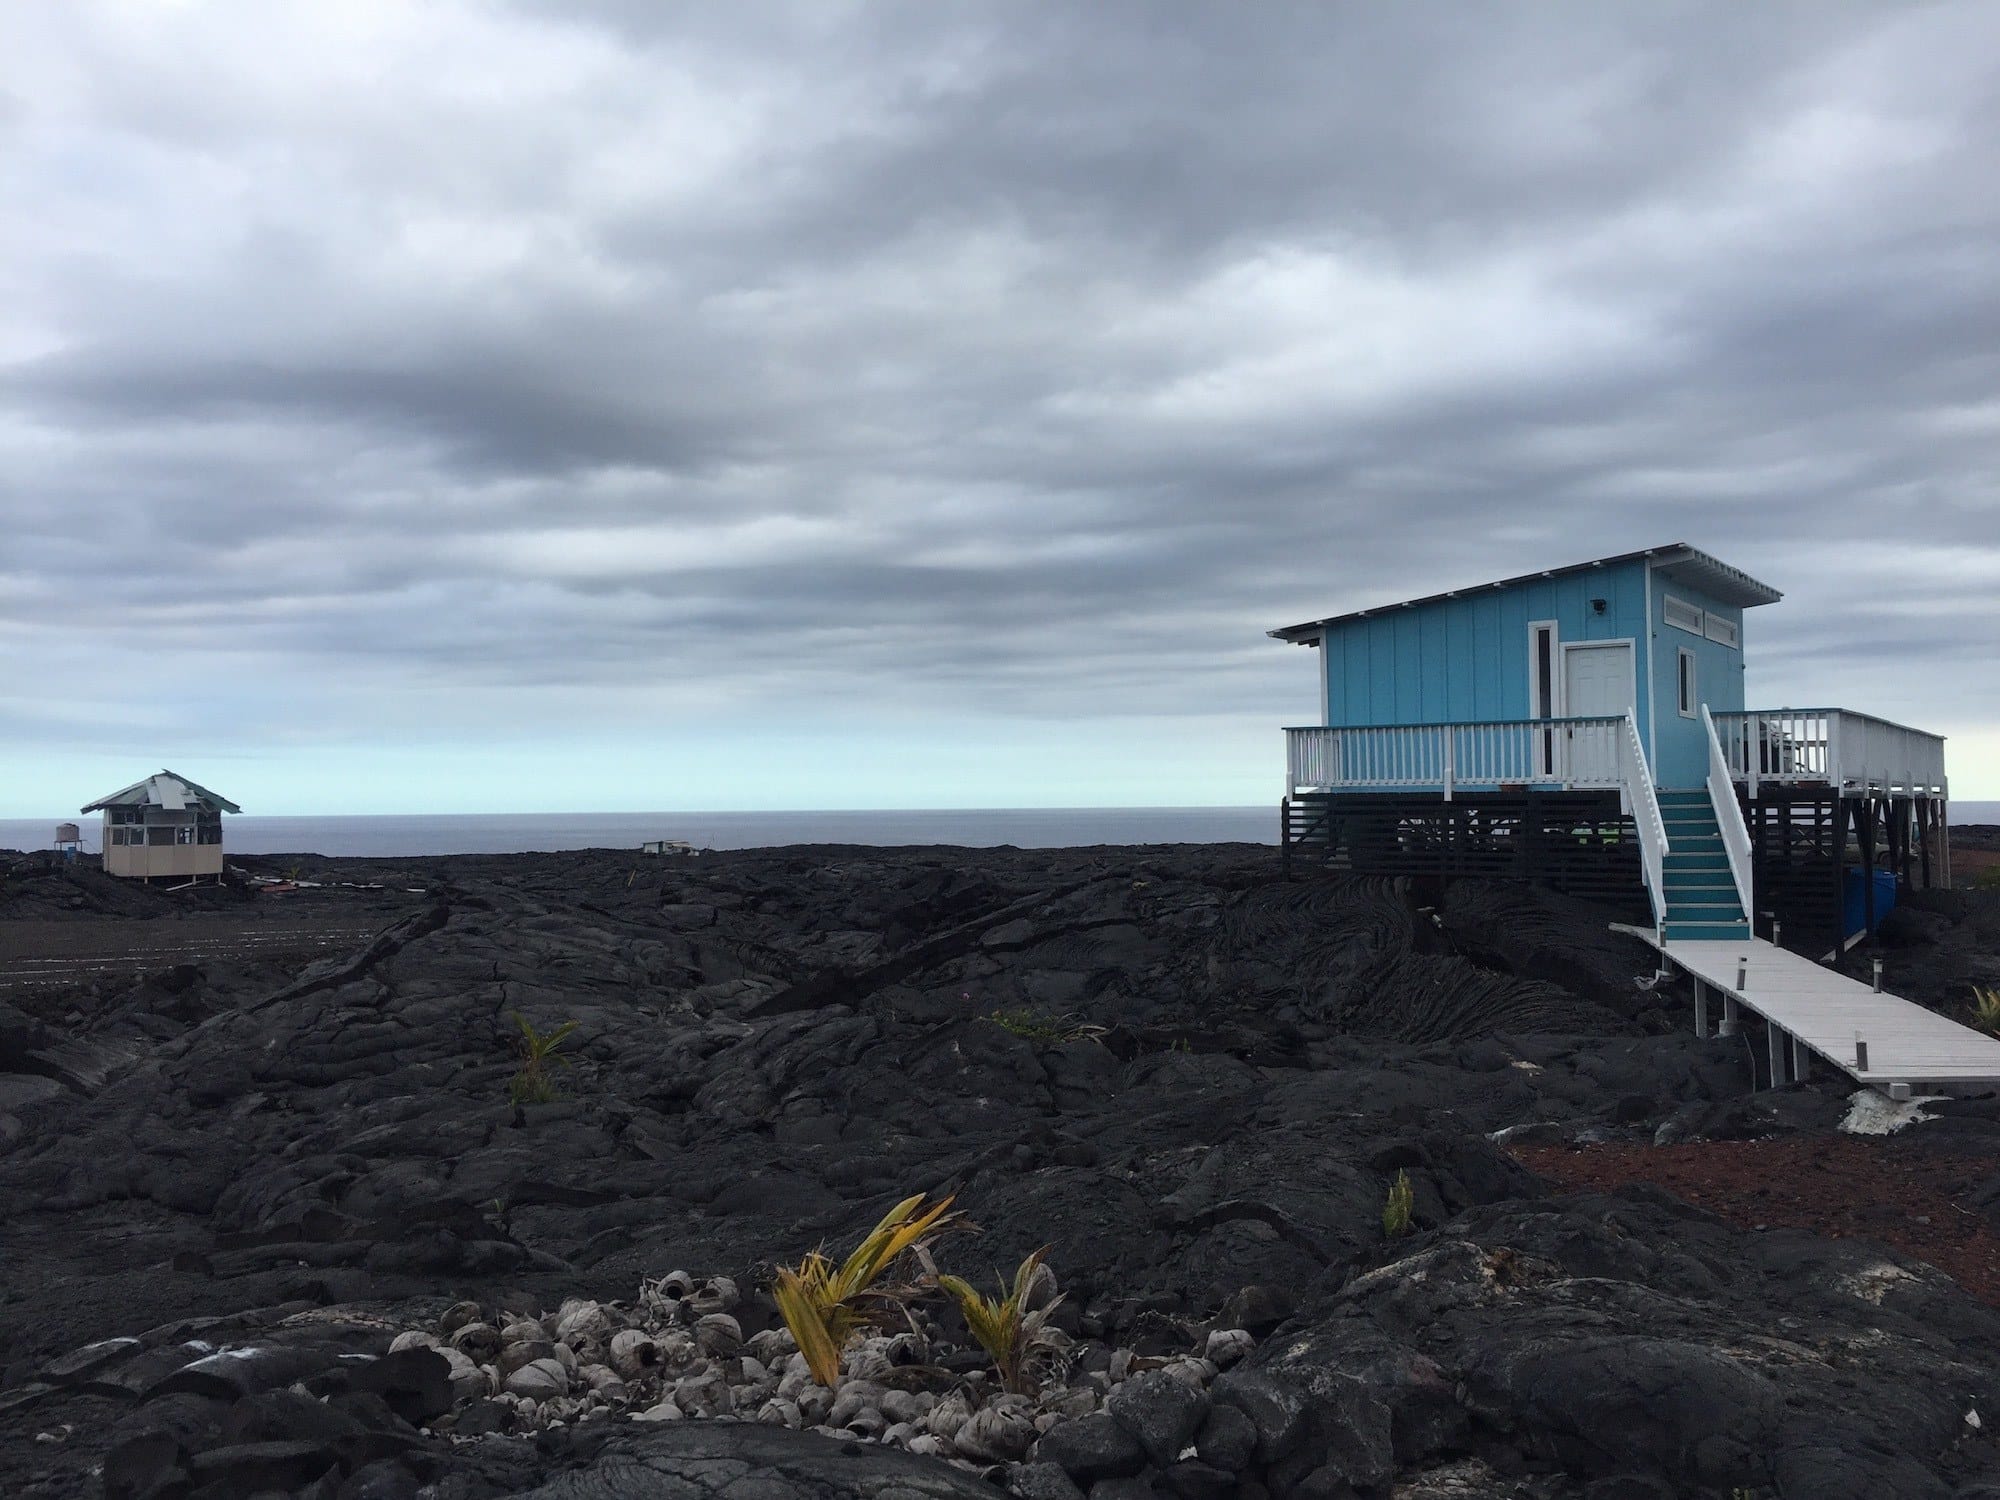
(1021, 360)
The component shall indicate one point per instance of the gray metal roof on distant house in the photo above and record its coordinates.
(168, 790)
(1713, 577)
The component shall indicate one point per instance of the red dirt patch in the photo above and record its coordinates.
(1843, 1187)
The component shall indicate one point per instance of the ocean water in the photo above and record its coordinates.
(517, 833)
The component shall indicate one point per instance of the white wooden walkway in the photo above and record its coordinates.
(1814, 1011)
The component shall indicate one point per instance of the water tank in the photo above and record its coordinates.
(1854, 897)
(68, 833)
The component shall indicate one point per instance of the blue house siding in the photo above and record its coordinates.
(1679, 746)
(1466, 659)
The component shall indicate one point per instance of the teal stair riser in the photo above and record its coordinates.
(1697, 888)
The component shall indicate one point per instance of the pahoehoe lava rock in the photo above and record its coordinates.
(742, 1461)
(1163, 1413)
(235, 1183)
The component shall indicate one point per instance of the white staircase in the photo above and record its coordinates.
(1699, 899)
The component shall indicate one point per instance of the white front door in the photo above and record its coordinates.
(1597, 682)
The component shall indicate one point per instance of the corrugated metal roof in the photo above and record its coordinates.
(166, 789)
(1712, 576)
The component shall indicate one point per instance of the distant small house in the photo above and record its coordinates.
(164, 826)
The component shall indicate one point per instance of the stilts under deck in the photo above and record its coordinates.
(1810, 1009)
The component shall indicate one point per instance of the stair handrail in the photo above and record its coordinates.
(1729, 816)
(1645, 803)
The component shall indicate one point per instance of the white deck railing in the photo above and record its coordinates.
(1834, 746)
(1644, 805)
(1729, 816)
(1574, 752)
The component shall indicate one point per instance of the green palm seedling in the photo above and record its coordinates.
(533, 1083)
(1013, 1335)
(823, 1303)
(1986, 1010)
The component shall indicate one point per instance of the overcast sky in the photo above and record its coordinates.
(625, 406)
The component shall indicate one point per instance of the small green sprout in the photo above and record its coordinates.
(1986, 1009)
(533, 1083)
(1396, 1211)
(1017, 1339)
(1034, 1026)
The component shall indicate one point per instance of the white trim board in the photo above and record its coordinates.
(1652, 682)
(1325, 681)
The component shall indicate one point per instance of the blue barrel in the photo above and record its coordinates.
(1853, 899)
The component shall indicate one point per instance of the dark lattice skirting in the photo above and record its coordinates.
(1578, 843)
(1802, 838)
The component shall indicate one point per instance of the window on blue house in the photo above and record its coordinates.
(1682, 615)
(1687, 692)
(1542, 693)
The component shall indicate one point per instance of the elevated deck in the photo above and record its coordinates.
(1852, 753)
(1813, 1011)
(1791, 803)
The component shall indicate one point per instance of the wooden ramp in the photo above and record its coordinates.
(1812, 1011)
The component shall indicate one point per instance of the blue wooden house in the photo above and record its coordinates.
(1586, 727)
